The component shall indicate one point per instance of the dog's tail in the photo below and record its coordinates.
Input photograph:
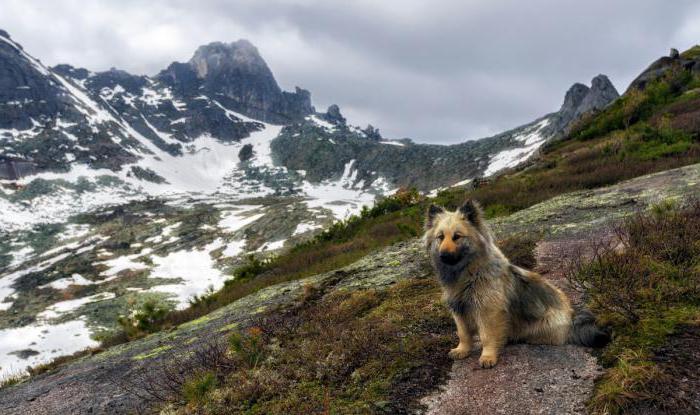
(585, 332)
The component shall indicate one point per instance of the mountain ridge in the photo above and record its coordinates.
(212, 94)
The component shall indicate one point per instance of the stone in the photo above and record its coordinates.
(334, 116)
(246, 152)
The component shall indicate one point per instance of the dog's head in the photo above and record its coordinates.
(454, 239)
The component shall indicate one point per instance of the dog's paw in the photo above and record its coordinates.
(488, 361)
(459, 353)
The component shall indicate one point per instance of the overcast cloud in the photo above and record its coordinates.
(435, 71)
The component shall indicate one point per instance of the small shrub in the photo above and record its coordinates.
(147, 318)
(205, 299)
(12, 378)
(253, 267)
(248, 346)
(196, 389)
(496, 210)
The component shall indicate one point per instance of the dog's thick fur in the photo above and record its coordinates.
(493, 298)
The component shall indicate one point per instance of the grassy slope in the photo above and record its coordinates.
(646, 289)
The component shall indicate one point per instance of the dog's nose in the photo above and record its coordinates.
(448, 258)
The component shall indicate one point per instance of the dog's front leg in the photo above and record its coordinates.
(493, 333)
(465, 339)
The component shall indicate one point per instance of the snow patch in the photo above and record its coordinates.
(48, 341)
(305, 227)
(194, 268)
(63, 307)
(512, 157)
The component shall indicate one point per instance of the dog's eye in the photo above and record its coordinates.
(440, 237)
(456, 237)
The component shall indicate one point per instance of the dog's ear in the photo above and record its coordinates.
(433, 211)
(472, 212)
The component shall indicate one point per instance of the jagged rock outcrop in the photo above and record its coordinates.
(601, 93)
(580, 100)
(333, 115)
(237, 74)
(689, 60)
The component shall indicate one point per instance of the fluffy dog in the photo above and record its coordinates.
(493, 298)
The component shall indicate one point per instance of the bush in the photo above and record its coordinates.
(11, 378)
(207, 298)
(253, 267)
(652, 259)
(196, 389)
(147, 318)
(247, 346)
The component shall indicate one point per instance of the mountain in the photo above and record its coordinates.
(321, 149)
(118, 189)
(63, 117)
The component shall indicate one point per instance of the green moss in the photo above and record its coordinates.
(153, 353)
(191, 340)
(197, 322)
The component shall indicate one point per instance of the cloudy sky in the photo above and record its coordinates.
(436, 71)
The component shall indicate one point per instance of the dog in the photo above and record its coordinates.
(489, 296)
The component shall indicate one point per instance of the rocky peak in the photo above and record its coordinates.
(579, 100)
(217, 57)
(573, 99)
(688, 60)
(239, 78)
(601, 93)
(5, 34)
(333, 115)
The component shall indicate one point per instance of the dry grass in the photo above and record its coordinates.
(12, 378)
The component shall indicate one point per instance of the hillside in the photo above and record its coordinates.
(119, 380)
(254, 338)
